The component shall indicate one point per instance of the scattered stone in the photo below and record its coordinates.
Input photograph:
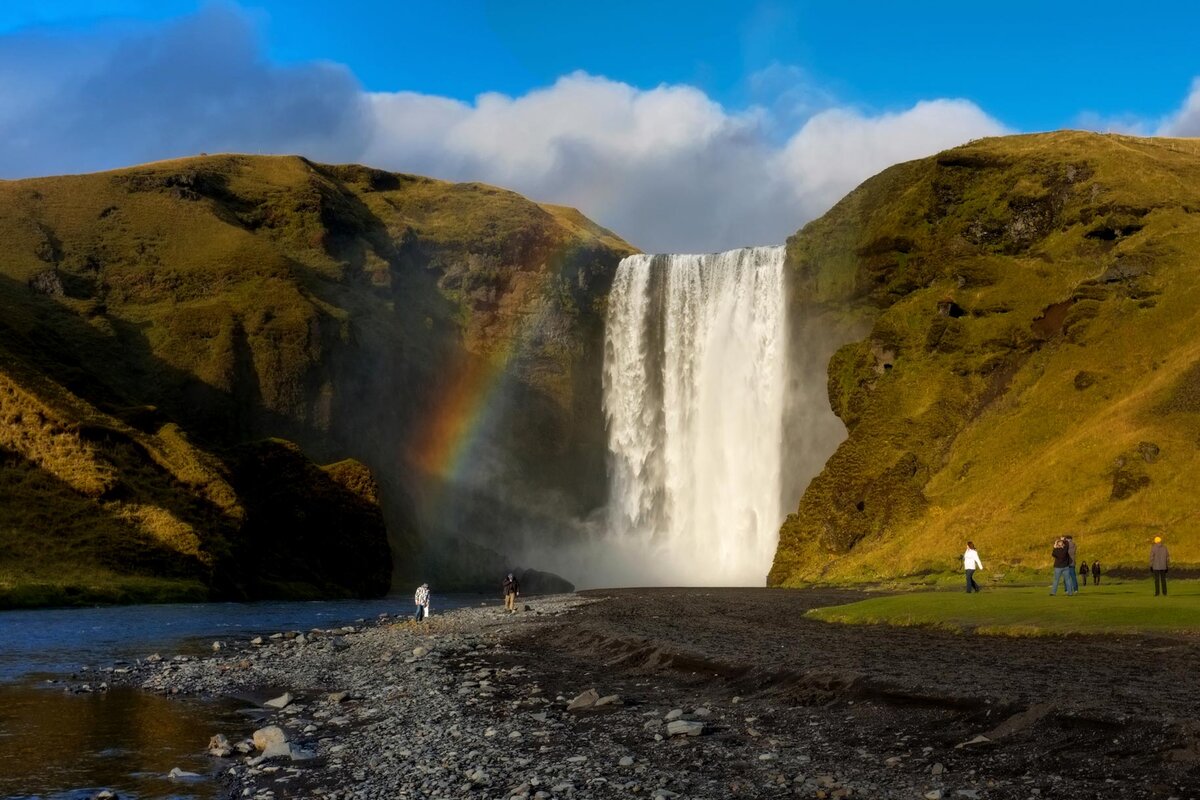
(937, 769)
(675, 713)
(338, 697)
(265, 737)
(609, 700)
(276, 750)
(216, 647)
(420, 652)
(682, 727)
(933, 794)
(584, 700)
(283, 701)
(219, 747)
(177, 774)
(257, 641)
(981, 739)
(626, 761)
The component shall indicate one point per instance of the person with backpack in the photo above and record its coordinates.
(971, 563)
(421, 599)
(1062, 562)
(1095, 573)
(1160, 562)
(512, 590)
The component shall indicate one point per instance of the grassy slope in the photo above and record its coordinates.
(1112, 608)
(995, 426)
(223, 299)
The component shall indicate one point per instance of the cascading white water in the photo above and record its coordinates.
(695, 373)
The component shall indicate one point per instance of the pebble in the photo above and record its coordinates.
(476, 722)
(682, 727)
(282, 701)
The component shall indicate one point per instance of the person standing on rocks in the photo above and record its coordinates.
(512, 590)
(1095, 573)
(1062, 562)
(421, 599)
(971, 563)
(1072, 578)
(1160, 562)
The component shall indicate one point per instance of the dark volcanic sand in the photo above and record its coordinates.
(1079, 717)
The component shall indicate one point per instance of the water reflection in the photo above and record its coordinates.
(59, 745)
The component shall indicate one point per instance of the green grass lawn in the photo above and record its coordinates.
(1127, 607)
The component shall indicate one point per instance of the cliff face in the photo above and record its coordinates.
(359, 314)
(1031, 364)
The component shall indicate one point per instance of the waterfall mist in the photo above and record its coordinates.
(695, 390)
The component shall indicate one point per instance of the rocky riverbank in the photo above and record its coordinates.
(660, 694)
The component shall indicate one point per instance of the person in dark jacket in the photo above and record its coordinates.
(1160, 562)
(1095, 573)
(1083, 573)
(1062, 565)
(512, 590)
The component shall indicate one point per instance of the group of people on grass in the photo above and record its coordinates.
(1069, 573)
(511, 589)
(1067, 570)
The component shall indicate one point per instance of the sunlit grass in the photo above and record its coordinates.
(1128, 607)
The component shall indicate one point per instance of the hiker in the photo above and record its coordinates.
(1071, 576)
(1083, 574)
(512, 590)
(1062, 561)
(1160, 562)
(1095, 573)
(421, 599)
(971, 563)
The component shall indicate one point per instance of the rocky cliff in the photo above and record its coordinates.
(160, 326)
(1031, 363)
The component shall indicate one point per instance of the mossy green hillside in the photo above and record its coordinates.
(233, 299)
(1117, 608)
(1031, 366)
(95, 510)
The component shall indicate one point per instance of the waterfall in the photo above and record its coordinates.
(695, 371)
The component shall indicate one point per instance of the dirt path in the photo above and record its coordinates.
(1066, 717)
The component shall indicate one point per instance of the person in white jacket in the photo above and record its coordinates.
(971, 563)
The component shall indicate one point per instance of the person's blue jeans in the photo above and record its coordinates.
(972, 586)
(1061, 574)
(420, 610)
(1073, 579)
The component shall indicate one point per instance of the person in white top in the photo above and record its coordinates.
(971, 563)
(421, 600)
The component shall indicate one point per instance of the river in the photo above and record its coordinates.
(68, 746)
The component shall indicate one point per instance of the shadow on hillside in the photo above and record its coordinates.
(48, 529)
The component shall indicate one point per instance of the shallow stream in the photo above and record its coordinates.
(69, 746)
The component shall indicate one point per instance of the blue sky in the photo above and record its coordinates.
(763, 113)
(1035, 65)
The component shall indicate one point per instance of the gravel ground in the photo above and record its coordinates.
(476, 704)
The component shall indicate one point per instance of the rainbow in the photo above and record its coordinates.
(466, 407)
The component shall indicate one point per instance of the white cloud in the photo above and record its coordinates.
(1185, 121)
(839, 148)
(667, 167)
